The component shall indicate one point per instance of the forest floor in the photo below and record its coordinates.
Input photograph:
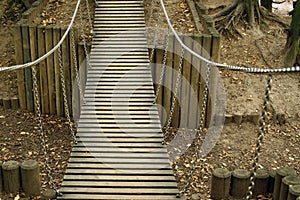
(259, 47)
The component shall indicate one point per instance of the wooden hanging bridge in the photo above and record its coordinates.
(119, 154)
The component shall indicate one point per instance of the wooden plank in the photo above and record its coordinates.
(167, 99)
(34, 55)
(74, 64)
(67, 69)
(120, 177)
(119, 140)
(28, 73)
(159, 100)
(135, 150)
(119, 166)
(19, 60)
(117, 137)
(43, 71)
(82, 69)
(118, 125)
(58, 92)
(195, 78)
(119, 197)
(50, 69)
(119, 184)
(120, 134)
(122, 191)
(177, 61)
(119, 160)
(119, 155)
(186, 84)
(207, 41)
(119, 121)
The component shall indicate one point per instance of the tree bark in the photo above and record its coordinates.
(293, 40)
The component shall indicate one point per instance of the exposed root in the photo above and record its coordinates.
(228, 20)
(261, 53)
(266, 15)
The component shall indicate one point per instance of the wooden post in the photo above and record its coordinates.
(14, 103)
(186, 84)
(261, 182)
(43, 71)
(11, 176)
(1, 185)
(272, 174)
(294, 192)
(75, 94)
(28, 73)
(195, 81)
(19, 60)
(239, 183)
(280, 174)
(286, 182)
(206, 43)
(33, 50)
(50, 70)
(159, 53)
(67, 68)
(177, 52)
(58, 93)
(30, 173)
(6, 103)
(82, 68)
(220, 184)
(168, 78)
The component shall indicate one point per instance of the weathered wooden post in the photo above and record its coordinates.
(30, 173)
(15, 103)
(286, 182)
(280, 174)
(261, 182)
(11, 176)
(239, 183)
(294, 192)
(1, 185)
(272, 174)
(6, 103)
(220, 184)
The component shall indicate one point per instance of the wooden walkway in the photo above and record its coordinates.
(119, 154)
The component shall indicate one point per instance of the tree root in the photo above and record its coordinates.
(273, 18)
(261, 53)
(228, 20)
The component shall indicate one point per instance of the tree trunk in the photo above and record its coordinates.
(293, 40)
(251, 6)
(267, 4)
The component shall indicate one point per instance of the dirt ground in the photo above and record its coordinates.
(234, 149)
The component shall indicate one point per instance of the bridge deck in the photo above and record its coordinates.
(119, 154)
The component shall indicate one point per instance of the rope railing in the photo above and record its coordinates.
(35, 62)
(225, 66)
